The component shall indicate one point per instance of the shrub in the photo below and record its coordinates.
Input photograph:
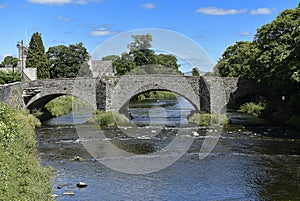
(22, 176)
(254, 109)
(108, 118)
(206, 119)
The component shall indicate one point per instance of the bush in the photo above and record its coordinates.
(206, 119)
(254, 109)
(109, 118)
(22, 176)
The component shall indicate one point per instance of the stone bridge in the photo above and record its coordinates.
(209, 94)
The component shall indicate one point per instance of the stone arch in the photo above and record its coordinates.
(129, 86)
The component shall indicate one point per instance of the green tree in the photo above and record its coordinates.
(10, 60)
(66, 62)
(8, 77)
(110, 58)
(169, 61)
(195, 71)
(142, 59)
(238, 60)
(140, 42)
(124, 64)
(272, 58)
(279, 59)
(36, 57)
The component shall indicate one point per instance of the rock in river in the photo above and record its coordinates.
(81, 185)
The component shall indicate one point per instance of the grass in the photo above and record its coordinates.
(254, 109)
(65, 104)
(207, 119)
(22, 176)
(109, 118)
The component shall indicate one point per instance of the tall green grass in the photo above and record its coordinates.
(109, 118)
(207, 119)
(254, 109)
(22, 176)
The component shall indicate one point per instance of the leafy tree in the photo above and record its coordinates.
(140, 42)
(8, 77)
(169, 61)
(238, 60)
(279, 60)
(142, 59)
(110, 58)
(66, 62)
(195, 71)
(36, 57)
(124, 64)
(272, 58)
(10, 60)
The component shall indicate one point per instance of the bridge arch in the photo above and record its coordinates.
(128, 87)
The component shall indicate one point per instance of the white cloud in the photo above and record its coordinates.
(2, 6)
(262, 11)
(219, 11)
(65, 19)
(244, 33)
(61, 2)
(148, 5)
(101, 32)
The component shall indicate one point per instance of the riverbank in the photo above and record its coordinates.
(22, 176)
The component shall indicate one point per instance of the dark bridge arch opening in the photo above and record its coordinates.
(56, 105)
(236, 102)
(158, 107)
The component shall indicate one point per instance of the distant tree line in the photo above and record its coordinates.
(58, 62)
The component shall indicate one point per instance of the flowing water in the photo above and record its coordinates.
(247, 163)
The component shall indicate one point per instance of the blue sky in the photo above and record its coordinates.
(212, 24)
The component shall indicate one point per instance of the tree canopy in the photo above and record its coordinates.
(68, 61)
(36, 57)
(142, 60)
(9, 60)
(272, 58)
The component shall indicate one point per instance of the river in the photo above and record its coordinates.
(248, 162)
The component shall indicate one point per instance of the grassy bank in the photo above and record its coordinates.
(22, 176)
(65, 104)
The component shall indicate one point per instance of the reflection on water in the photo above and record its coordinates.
(246, 164)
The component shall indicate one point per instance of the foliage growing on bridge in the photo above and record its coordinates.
(141, 55)
(22, 177)
(272, 58)
(36, 57)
